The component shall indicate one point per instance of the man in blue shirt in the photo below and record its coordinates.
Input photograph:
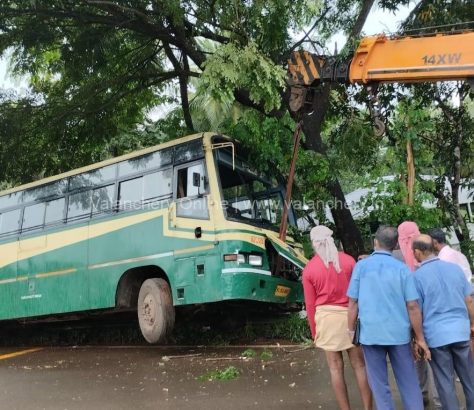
(448, 322)
(382, 293)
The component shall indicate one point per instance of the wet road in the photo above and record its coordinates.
(143, 377)
(165, 378)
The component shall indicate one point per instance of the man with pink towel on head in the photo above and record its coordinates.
(407, 232)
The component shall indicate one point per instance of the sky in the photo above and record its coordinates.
(377, 22)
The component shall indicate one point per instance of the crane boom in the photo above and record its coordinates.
(436, 58)
(381, 59)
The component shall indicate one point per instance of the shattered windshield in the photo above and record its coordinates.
(248, 195)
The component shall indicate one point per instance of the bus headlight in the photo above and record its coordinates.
(234, 257)
(255, 260)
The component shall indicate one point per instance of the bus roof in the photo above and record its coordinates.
(107, 162)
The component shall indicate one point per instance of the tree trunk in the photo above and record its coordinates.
(460, 227)
(346, 228)
(410, 173)
(183, 87)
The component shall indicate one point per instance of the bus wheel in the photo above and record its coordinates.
(155, 310)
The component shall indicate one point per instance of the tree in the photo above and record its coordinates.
(452, 154)
(97, 66)
(452, 143)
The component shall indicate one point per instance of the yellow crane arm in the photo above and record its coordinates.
(381, 59)
(414, 59)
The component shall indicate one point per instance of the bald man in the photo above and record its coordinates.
(448, 322)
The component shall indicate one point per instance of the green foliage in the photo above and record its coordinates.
(290, 328)
(152, 133)
(294, 328)
(272, 136)
(229, 373)
(387, 205)
(351, 137)
(435, 13)
(233, 67)
(95, 70)
(386, 201)
(267, 23)
(249, 353)
(266, 355)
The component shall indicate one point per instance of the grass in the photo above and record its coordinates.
(249, 353)
(290, 327)
(229, 373)
(266, 355)
(293, 328)
(212, 331)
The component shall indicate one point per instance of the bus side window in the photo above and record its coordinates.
(182, 183)
(33, 217)
(102, 199)
(190, 189)
(157, 185)
(186, 184)
(131, 193)
(79, 205)
(54, 211)
(10, 221)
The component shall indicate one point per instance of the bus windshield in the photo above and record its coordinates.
(248, 195)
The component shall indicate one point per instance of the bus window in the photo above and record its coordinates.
(93, 178)
(186, 184)
(188, 152)
(190, 188)
(9, 200)
(45, 191)
(157, 159)
(103, 199)
(10, 221)
(250, 196)
(79, 205)
(130, 192)
(54, 211)
(182, 189)
(33, 217)
(157, 184)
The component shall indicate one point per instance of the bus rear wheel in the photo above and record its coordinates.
(155, 310)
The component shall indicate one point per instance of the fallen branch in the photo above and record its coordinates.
(180, 356)
(212, 359)
(295, 350)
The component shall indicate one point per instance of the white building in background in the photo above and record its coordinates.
(466, 198)
(355, 201)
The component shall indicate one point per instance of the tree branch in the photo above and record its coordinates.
(183, 85)
(116, 17)
(307, 34)
(361, 18)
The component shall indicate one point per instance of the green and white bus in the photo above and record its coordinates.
(182, 223)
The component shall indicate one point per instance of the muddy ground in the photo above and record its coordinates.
(118, 377)
(106, 365)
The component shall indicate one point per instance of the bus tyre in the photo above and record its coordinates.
(155, 310)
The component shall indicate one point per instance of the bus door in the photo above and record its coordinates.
(192, 220)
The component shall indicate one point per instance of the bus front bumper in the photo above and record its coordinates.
(260, 287)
